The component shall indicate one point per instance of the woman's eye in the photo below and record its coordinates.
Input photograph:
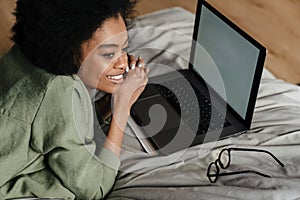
(108, 55)
(125, 50)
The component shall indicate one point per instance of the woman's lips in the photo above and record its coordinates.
(116, 78)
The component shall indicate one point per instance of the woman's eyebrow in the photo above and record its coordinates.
(111, 45)
(102, 46)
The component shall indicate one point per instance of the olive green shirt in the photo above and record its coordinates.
(46, 135)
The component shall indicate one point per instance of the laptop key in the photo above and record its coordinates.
(186, 109)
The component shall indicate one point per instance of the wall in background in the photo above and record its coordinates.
(275, 23)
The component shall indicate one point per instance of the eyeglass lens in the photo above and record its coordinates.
(224, 158)
(213, 172)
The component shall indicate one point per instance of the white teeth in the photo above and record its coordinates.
(117, 77)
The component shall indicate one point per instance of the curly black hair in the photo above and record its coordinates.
(50, 32)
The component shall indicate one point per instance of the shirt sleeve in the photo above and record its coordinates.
(63, 131)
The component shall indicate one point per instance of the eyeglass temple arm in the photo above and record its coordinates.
(259, 150)
(242, 172)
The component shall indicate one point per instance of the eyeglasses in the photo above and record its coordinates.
(224, 159)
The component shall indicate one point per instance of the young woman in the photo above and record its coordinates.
(63, 50)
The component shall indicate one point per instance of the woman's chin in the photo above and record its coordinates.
(109, 90)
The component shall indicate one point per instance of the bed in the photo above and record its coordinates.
(182, 175)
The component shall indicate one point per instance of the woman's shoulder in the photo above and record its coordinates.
(66, 89)
(67, 95)
(65, 111)
(24, 87)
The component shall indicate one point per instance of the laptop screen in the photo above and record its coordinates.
(221, 48)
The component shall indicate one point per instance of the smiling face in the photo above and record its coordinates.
(104, 56)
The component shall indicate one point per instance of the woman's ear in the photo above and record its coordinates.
(77, 58)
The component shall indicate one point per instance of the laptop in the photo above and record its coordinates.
(213, 99)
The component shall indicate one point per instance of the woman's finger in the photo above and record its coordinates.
(141, 67)
(140, 62)
(132, 62)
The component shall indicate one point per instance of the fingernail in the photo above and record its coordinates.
(132, 66)
(127, 69)
(147, 69)
(140, 65)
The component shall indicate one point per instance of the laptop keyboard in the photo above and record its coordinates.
(187, 110)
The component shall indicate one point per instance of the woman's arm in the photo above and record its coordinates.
(63, 133)
(123, 98)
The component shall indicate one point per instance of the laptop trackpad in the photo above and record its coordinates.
(155, 112)
(155, 116)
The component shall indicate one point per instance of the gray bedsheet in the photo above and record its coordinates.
(182, 175)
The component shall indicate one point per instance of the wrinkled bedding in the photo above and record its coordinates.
(163, 39)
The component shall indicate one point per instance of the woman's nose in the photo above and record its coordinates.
(122, 61)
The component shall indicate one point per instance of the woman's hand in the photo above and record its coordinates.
(124, 96)
(133, 85)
